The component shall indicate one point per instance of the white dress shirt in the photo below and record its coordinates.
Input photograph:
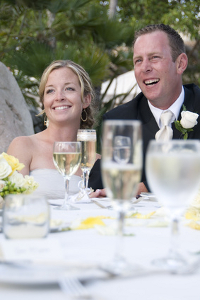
(175, 108)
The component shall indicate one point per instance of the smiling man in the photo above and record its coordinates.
(159, 61)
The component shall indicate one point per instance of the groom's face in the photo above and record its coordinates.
(155, 71)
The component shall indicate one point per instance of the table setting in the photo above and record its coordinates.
(110, 248)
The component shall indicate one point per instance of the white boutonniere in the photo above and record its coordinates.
(187, 122)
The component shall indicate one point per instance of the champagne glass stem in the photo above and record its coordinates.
(85, 179)
(174, 239)
(176, 262)
(119, 243)
(66, 182)
(67, 205)
(174, 235)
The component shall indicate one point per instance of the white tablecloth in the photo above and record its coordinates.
(90, 247)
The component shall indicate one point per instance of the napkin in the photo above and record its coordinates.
(80, 198)
(76, 199)
(37, 250)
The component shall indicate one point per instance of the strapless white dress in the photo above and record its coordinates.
(51, 183)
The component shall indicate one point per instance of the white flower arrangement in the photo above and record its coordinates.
(11, 181)
(187, 122)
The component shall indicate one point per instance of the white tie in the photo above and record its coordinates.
(166, 132)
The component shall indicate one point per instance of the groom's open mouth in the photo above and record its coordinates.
(151, 82)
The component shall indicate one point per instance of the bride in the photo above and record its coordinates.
(67, 96)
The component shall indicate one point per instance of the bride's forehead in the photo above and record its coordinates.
(63, 74)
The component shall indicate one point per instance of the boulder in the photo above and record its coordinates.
(15, 118)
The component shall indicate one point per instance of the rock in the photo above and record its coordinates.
(38, 121)
(15, 118)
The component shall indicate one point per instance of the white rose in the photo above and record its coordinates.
(5, 168)
(188, 119)
(17, 179)
(2, 184)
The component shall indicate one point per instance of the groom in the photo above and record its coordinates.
(159, 61)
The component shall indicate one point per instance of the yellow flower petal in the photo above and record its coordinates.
(194, 225)
(91, 222)
(13, 162)
(192, 214)
(140, 216)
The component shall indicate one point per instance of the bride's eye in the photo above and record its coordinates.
(70, 88)
(49, 91)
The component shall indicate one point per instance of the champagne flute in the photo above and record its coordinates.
(87, 137)
(173, 174)
(121, 166)
(67, 158)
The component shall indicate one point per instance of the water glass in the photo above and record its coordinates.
(173, 174)
(25, 216)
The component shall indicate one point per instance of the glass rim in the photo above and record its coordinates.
(122, 122)
(174, 141)
(67, 142)
(86, 130)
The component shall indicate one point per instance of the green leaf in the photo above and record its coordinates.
(184, 108)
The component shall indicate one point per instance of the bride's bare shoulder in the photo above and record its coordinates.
(23, 145)
(20, 142)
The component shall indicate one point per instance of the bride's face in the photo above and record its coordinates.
(62, 96)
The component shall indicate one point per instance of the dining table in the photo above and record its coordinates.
(81, 243)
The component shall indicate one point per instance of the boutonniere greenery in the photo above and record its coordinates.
(187, 122)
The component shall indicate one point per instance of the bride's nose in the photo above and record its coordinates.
(59, 95)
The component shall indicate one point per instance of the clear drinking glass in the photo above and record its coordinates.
(25, 216)
(173, 174)
(121, 166)
(87, 137)
(67, 158)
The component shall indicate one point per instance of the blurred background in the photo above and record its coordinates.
(95, 34)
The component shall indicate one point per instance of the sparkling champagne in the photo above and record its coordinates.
(121, 181)
(67, 163)
(88, 142)
(88, 154)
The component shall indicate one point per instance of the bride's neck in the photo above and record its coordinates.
(62, 134)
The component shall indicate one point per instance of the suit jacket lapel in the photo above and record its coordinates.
(189, 104)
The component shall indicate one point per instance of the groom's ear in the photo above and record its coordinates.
(181, 62)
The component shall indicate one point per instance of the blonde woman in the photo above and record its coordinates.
(67, 96)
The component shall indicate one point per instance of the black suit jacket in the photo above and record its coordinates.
(138, 109)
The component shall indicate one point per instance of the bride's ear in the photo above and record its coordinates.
(87, 101)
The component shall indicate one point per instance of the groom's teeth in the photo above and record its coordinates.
(149, 82)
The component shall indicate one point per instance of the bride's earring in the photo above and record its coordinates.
(84, 118)
(46, 121)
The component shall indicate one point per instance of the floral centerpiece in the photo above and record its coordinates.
(11, 181)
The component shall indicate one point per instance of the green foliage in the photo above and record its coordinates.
(33, 33)
(10, 188)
